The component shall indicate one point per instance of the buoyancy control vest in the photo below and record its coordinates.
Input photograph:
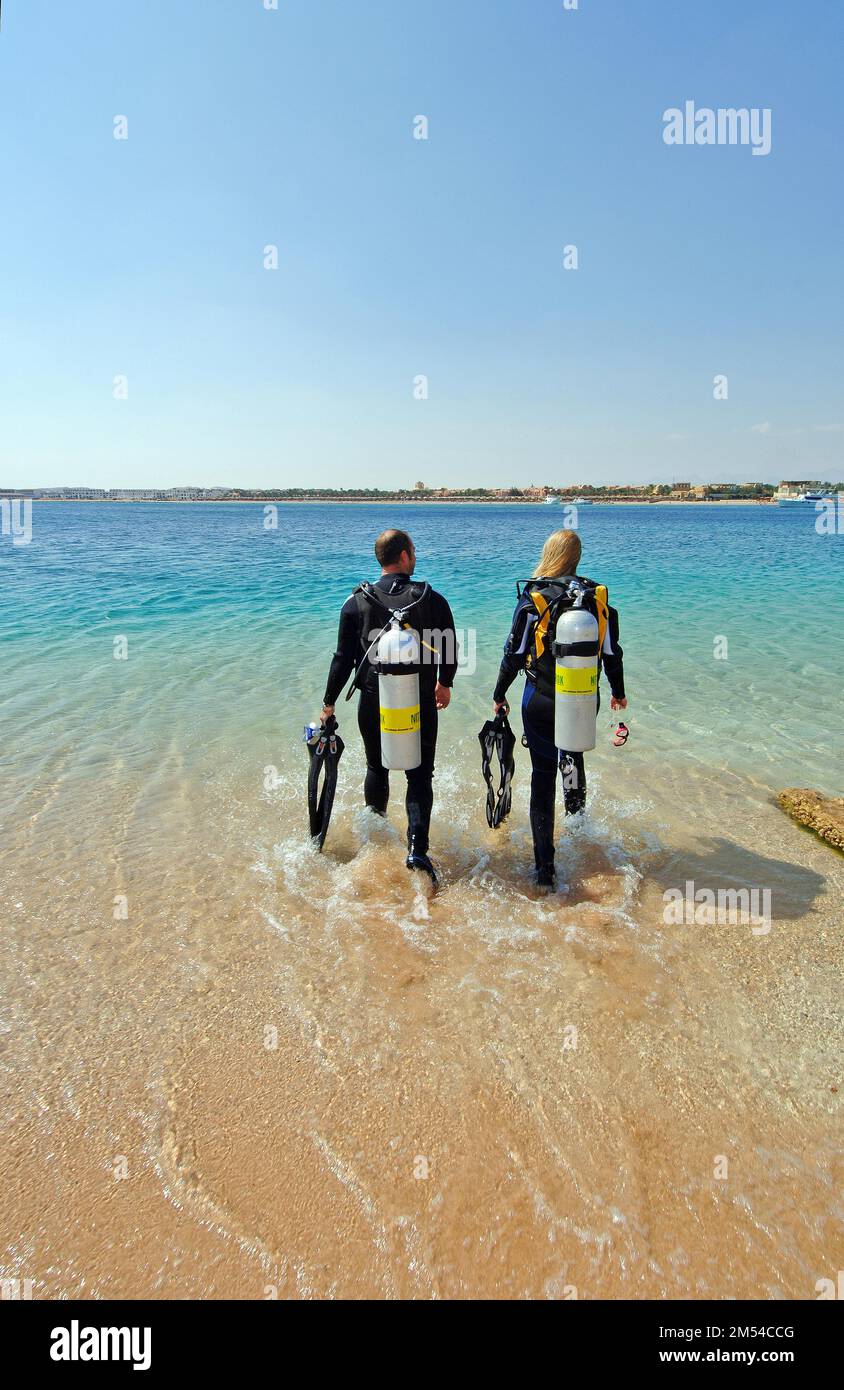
(376, 607)
(545, 600)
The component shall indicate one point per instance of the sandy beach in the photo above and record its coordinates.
(354, 1096)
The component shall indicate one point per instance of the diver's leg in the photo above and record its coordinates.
(573, 769)
(543, 787)
(376, 785)
(538, 724)
(420, 791)
(574, 782)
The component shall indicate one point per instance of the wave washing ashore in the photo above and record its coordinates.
(239, 1067)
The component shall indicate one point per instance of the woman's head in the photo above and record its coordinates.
(560, 555)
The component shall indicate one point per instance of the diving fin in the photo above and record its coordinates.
(417, 860)
(498, 740)
(325, 747)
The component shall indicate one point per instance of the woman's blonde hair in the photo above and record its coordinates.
(560, 555)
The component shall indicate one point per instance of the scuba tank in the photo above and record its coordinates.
(395, 653)
(397, 660)
(576, 648)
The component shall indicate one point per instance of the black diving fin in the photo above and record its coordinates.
(417, 860)
(498, 740)
(325, 747)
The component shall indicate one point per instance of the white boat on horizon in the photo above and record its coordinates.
(552, 500)
(796, 495)
(802, 499)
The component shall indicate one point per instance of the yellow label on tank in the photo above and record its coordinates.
(400, 721)
(578, 681)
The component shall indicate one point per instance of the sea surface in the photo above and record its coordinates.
(235, 1065)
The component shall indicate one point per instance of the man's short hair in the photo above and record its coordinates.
(390, 545)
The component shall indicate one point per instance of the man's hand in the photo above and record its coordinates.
(501, 706)
(618, 704)
(327, 711)
(442, 695)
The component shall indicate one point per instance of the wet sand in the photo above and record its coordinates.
(298, 1076)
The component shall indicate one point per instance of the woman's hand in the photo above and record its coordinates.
(618, 704)
(326, 713)
(501, 707)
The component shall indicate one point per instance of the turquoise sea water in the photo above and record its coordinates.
(230, 626)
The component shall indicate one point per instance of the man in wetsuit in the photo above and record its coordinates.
(361, 618)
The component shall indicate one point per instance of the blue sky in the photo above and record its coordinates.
(401, 257)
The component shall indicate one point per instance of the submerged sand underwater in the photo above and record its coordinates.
(297, 1074)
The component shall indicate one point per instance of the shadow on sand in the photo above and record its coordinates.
(719, 864)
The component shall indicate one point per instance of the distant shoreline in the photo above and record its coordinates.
(411, 502)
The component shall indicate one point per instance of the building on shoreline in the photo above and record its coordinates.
(121, 494)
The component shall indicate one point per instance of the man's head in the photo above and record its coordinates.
(395, 553)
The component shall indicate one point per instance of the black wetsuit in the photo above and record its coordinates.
(538, 724)
(358, 625)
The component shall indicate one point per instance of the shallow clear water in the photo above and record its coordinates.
(163, 909)
(216, 608)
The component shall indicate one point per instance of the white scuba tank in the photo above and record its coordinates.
(576, 681)
(398, 661)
